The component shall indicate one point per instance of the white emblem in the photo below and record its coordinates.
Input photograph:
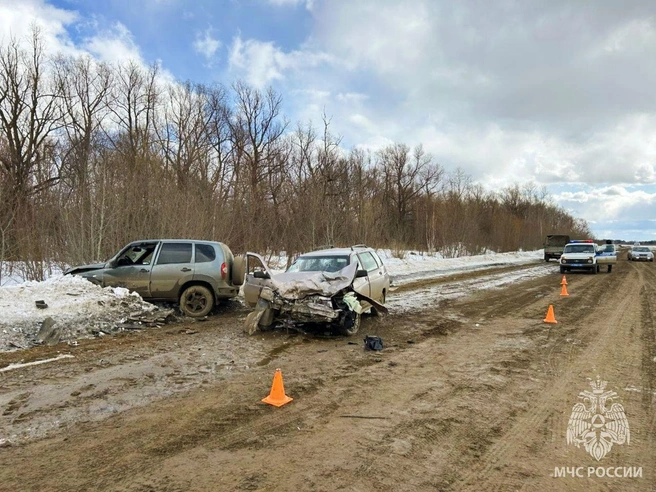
(594, 425)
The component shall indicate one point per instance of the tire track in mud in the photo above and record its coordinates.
(598, 330)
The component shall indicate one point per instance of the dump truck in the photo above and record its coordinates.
(554, 245)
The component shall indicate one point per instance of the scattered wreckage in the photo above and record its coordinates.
(298, 298)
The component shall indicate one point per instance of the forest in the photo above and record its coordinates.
(94, 155)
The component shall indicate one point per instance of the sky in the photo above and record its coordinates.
(557, 93)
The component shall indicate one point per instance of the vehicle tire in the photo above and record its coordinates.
(562, 269)
(354, 326)
(610, 268)
(196, 301)
(595, 269)
(546, 257)
(374, 311)
(238, 270)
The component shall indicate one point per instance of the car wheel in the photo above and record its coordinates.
(595, 269)
(374, 311)
(562, 269)
(351, 324)
(546, 258)
(196, 301)
(610, 268)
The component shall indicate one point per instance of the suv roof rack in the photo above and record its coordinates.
(358, 246)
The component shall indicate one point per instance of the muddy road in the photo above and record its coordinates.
(473, 391)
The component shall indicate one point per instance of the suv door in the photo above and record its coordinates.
(174, 266)
(132, 268)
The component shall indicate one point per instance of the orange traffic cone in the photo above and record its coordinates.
(563, 291)
(277, 396)
(550, 316)
(563, 281)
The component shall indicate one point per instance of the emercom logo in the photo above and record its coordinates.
(597, 422)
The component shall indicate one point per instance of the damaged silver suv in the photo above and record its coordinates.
(197, 274)
(330, 286)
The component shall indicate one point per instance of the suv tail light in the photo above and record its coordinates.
(224, 270)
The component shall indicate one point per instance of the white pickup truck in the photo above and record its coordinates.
(587, 255)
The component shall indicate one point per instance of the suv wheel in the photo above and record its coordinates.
(196, 301)
(238, 270)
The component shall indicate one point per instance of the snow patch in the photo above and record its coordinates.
(78, 307)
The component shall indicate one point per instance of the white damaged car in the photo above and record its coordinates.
(330, 287)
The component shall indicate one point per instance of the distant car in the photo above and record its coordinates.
(194, 273)
(329, 286)
(640, 253)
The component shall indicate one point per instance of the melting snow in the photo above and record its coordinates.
(77, 306)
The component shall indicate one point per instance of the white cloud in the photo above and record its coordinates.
(206, 45)
(352, 97)
(386, 37)
(309, 4)
(635, 33)
(610, 203)
(115, 44)
(18, 18)
(262, 63)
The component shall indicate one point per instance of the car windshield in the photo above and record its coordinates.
(319, 264)
(641, 250)
(579, 248)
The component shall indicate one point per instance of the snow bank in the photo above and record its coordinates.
(78, 308)
(416, 266)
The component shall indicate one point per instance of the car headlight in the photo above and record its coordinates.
(589, 260)
(562, 259)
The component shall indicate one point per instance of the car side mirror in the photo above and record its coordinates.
(361, 273)
(261, 274)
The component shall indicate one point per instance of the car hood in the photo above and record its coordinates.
(296, 285)
(84, 268)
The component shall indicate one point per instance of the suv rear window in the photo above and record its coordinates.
(174, 253)
(205, 253)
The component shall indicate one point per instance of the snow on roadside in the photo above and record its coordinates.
(419, 266)
(78, 307)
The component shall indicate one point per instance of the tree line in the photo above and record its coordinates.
(94, 155)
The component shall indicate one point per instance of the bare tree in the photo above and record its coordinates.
(29, 116)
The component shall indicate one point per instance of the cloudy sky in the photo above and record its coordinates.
(561, 93)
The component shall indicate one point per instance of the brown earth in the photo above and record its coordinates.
(472, 394)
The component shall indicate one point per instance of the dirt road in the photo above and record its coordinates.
(472, 392)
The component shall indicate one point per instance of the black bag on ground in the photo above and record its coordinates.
(373, 343)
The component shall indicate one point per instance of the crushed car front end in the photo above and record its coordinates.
(309, 298)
